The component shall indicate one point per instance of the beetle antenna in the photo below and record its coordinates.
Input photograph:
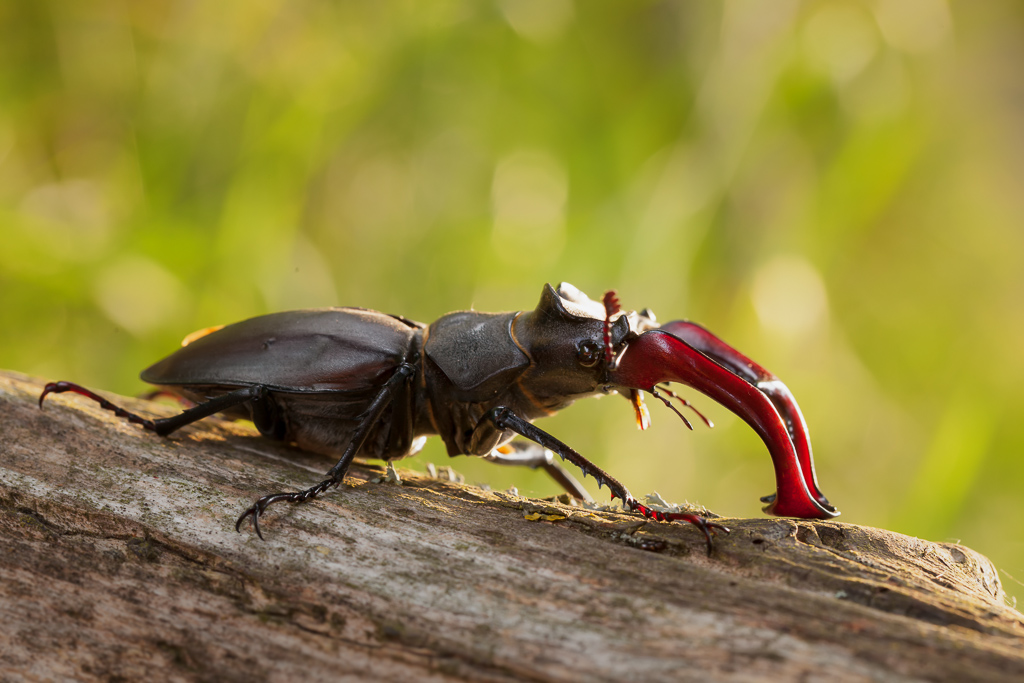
(611, 307)
(686, 403)
(654, 393)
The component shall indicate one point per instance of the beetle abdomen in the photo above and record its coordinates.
(320, 423)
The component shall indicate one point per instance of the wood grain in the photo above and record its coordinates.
(119, 560)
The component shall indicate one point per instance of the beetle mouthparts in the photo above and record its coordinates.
(684, 352)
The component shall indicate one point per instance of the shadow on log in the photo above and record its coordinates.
(119, 559)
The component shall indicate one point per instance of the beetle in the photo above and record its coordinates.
(353, 381)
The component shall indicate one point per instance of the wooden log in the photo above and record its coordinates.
(119, 560)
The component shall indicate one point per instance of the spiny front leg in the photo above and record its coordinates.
(503, 418)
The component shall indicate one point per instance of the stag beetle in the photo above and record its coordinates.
(353, 381)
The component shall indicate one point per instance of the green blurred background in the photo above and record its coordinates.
(833, 187)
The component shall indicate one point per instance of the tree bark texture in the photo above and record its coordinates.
(119, 560)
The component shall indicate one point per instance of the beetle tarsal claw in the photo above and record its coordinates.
(707, 528)
(256, 510)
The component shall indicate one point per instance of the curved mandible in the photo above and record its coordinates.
(767, 383)
(660, 356)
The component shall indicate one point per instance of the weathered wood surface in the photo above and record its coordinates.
(119, 560)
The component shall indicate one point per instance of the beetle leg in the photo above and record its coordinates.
(533, 456)
(163, 426)
(403, 374)
(504, 419)
(267, 418)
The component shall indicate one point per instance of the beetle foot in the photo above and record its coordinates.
(707, 528)
(61, 387)
(257, 509)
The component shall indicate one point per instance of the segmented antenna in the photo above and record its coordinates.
(654, 392)
(611, 307)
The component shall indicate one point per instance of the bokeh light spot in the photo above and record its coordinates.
(789, 296)
(140, 295)
(539, 20)
(528, 199)
(914, 25)
(840, 39)
(71, 218)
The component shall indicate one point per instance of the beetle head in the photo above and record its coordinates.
(579, 347)
(565, 340)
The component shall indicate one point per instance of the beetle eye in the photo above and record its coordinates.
(588, 353)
